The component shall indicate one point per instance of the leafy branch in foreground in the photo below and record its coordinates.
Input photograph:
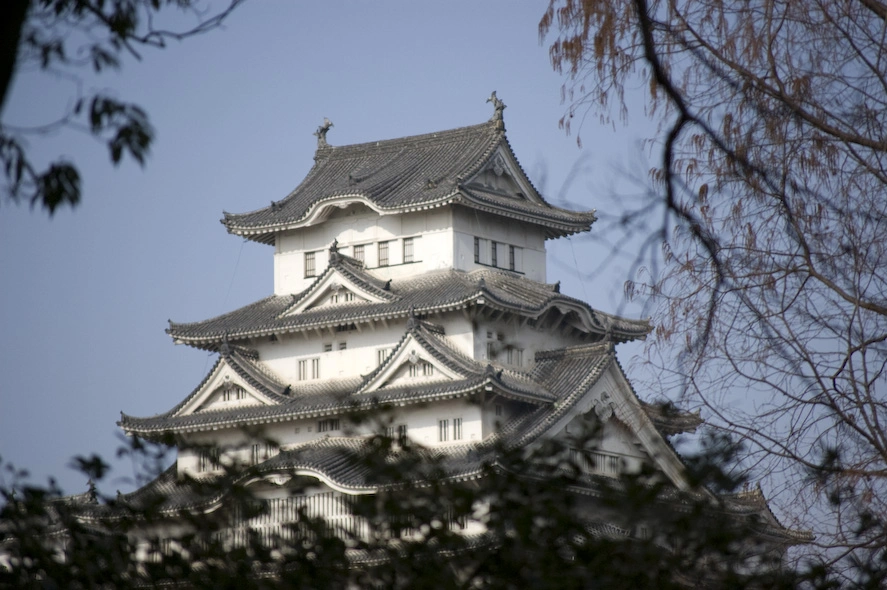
(65, 39)
(533, 519)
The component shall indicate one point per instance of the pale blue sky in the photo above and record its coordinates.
(86, 295)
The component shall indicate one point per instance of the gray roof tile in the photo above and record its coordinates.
(399, 174)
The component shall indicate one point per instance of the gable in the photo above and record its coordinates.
(622, 426)
(223, 389)
(334, 288)
(410, 364)
(502, 175)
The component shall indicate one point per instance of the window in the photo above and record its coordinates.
(427, 369)
(494, 253)
(408, 250)
(328, 425)
(348, 296)
(516, 356)
(382, 354)
(398, 432)
(457, 428)
(511, 257)
(443, 430)
(481, 251)
(208, 460)
(491, 351)
(414, 370)
(423, 369)
(343, 345)
(259, 452)
(358, 253)
(310, 264)
(383, 253)
(308, 369)
(233, 392)
(327, 347)
(477, 250)
(498, 409)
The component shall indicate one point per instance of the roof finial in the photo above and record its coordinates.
(321, 132)
(334, 251)
(498, 107)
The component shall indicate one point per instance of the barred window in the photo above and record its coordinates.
(328, 425)
(443, 428)
(309, 368)
(457, 428)
(343, 345)
(383, 253)
(208, 460)
(494, 253)
(358, 253)
(310, 264)
(477, 250)
(511, 257)
(408, 250)
(382, 354)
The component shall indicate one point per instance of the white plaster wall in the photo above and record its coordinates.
(359, 358)
(529, 338)
(357, 225)
(468, 224)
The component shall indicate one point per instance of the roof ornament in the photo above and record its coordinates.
(225, 348)
(334, 252)
(321, 132)
(413, 321)
(498, 107)
(387, 286)
(557, 287)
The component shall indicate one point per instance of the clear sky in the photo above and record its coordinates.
(85, 296)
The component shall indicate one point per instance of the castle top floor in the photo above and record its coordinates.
(451, 199)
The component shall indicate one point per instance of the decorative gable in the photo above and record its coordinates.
(502, 175)
(223, 389)
(411, 364)
(336, 287)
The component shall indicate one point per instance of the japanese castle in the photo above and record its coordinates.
(411, 274)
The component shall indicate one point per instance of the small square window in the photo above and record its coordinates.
(327, 347)
(343, 345)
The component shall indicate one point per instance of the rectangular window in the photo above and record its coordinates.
(328, 425)
(457, 428)
(349, 296)
(401, 431)
(491, 351)
(343, 345)
(310, 264)
(308, 369)
(516, 356)
(443, 430)
(511, 257)
(494, 253)
(398, 432)
(382, 354)
(408, 250)
(327, 347)
(208, 460)
(498, 409)
(414, 370)
(517, 254)
(383, 253)
(477, 250)
(427, 369)
(259, 453)
(358, 253)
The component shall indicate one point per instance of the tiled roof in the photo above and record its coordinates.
(404, 174)
(429, 292)
(332, 397)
